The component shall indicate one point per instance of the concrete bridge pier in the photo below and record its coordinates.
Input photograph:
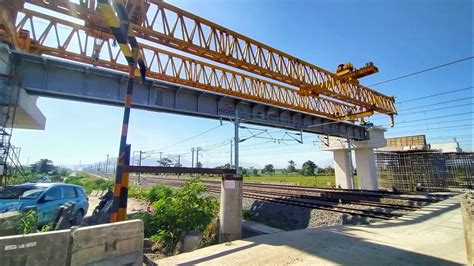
(365, 165)
(364, 156)
(342, 168)
(27, 114)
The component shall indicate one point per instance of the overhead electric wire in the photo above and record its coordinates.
(279, 153)
(221, 143)
(436, 94)
(437, 109)
(438, 103)
(457, 140)
(427, 105)
(266, 147)
(450, 137)
(286, 151)
(434, 129)
(429, 118)
(210, 146)
(193, 137)
(433, 123)
(422, 71)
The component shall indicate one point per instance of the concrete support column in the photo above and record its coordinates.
(365, 158)
(365, 163)
(342, 169)
(230, 227)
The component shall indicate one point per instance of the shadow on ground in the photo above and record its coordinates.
(334, 245)
(350, 250)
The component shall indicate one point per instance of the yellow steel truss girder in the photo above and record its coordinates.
(176, 28)
(172, 67)
(8, 11)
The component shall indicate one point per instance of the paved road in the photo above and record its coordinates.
(430, 236)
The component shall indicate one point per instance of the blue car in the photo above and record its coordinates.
(46, 198)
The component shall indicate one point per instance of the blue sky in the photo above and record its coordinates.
(400, 37)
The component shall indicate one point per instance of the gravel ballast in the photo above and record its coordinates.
(288, 217)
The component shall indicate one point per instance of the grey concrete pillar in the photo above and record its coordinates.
(366, 170)
(27, 114)
(365, 158)
(342, 169)
(230, 227)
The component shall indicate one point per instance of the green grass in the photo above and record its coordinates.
(294, 179)
(319, 181)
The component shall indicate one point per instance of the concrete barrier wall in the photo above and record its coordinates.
(50, 248)
(107, 244)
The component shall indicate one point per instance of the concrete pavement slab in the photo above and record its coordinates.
(430, 236)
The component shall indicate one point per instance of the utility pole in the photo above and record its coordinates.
(197, 155)
(106, 166)
(230, 227)
(139, 164)
(192, 157)
(236, 142)
(231, 154)
(179, 160)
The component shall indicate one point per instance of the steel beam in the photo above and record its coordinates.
(50, 77)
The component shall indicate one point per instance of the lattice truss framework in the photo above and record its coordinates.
(297, 84)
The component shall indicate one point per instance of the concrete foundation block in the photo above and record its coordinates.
(189, 241)
(50, 248)
(108, 244)
(10, 223)
(467, 209)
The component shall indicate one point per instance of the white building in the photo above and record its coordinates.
(446, 147)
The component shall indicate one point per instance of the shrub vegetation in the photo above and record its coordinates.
(175, 211)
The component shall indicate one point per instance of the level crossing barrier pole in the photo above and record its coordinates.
(119, 207)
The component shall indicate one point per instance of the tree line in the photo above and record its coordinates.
(309, 168)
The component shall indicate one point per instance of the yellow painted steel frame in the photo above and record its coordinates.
(8, 33)
(176, 28)
(168, 66)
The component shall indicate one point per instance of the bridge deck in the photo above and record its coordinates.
(50, 77)
(432, 235)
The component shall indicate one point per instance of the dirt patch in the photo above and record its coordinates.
(133, 205)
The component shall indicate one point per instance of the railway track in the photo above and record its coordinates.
(428, 198)
(300, 196)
